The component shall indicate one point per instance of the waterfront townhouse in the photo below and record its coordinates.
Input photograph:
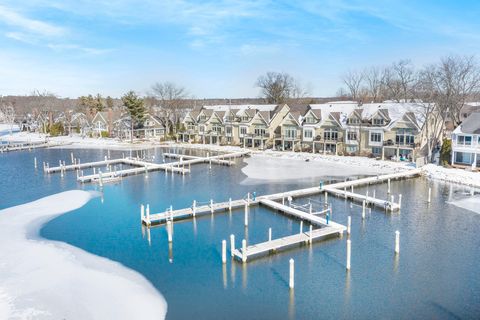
(466, 143)
(387, 130)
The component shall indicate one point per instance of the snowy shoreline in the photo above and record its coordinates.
(44, 279)
(368, 165)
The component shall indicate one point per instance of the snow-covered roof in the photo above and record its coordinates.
(471, 125)
(395, 111)
(260, 107)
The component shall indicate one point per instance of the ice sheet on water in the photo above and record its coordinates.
(470, 203)
(41, 279)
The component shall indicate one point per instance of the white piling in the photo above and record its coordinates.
(106, 158)
(269, 234)
(397, 242)
(388, 187)
(169, 231)
(349, 224)
(400, 201)
(224, 251)
(366, 196)
(148, 214)
(211, 206)
(374, 193)
(232, 244)
(244, 250)
(301, 226)
(363, 209)
(142, 212)
(349, 252)
(35, 162)
(429, 194)
(326, 197)
(310, 235)
(246, 214)
(291, 281)
(230, 204)
(194, 208)
(71, 157)
(392, 199)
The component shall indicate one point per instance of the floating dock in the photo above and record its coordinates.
(27, 146)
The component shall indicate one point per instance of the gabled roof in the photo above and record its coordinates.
(471, 125)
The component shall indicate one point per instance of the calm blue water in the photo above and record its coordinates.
(435, 275)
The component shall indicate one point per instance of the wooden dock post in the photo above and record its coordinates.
(146, 172)
(244, 250)
(229, 204)
(351, 188)
(429, 194)
(169, 231)
(392, 199)
(224, 251)
(388, 187)
(400, 201)
(246, 214)
(366, 196)
(291, 280)
(232, 244)
(310, 235)
(374, 193)
(44, 168)
(397, 242)
(310, 209)
(326, 197)
(71, 157)
(211, 206)
(269, 234)
(100, 179)
(345, 192)
(301, 226)
(35, 162)
(248, 198)
(349, 252)
(363, 209)
(349, 224)
(108, 152)
(171, 212)
(194, 208)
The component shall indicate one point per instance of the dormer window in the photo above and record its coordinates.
(244, 118)
(353, 121)
(378, 122)
(310, 120)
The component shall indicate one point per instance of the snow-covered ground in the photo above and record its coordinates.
(460, 176)
(41, 279)
(6, 128)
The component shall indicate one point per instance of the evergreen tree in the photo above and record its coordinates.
(136, 109)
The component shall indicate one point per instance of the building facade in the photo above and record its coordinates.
(466, 143)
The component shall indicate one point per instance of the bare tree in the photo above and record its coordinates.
(399, 81)
(171, 98)
(276, 87)
(374, 78)
(353, 80)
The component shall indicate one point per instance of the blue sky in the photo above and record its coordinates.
(219, 48)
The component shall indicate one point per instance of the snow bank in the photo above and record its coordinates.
(286, 166)
(460, 176)
(44, 279)
(472, 204)
(6, 128)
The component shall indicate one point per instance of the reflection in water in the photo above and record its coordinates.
(148, 237)
(291, 304)
(195, 227)
(396, 260)
(244, 276)
(170, 252)
(347, 292)
(232, 271)
(224, 271)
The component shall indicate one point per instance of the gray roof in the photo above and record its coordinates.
(471, 124)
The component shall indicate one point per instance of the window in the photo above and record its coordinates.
(375, 137)
(378, 121)
(352, 149)
(217, 129)
(245, 118)
(203, 117)
(353, 121)
(243, 131)
(352, 136)
(310, 120)
(308, 134)
(191, 127)
(330, 135)
(464, 140)
(463, 157)
(230, 118)
(290, 133)
(260, 132)
(201, 129)
(376, 150)
(404, 137)
(228, 130)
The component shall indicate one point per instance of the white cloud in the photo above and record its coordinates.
(38, 27)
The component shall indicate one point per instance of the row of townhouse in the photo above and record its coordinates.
(113, 123)
(466, 143)
(389, 130)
